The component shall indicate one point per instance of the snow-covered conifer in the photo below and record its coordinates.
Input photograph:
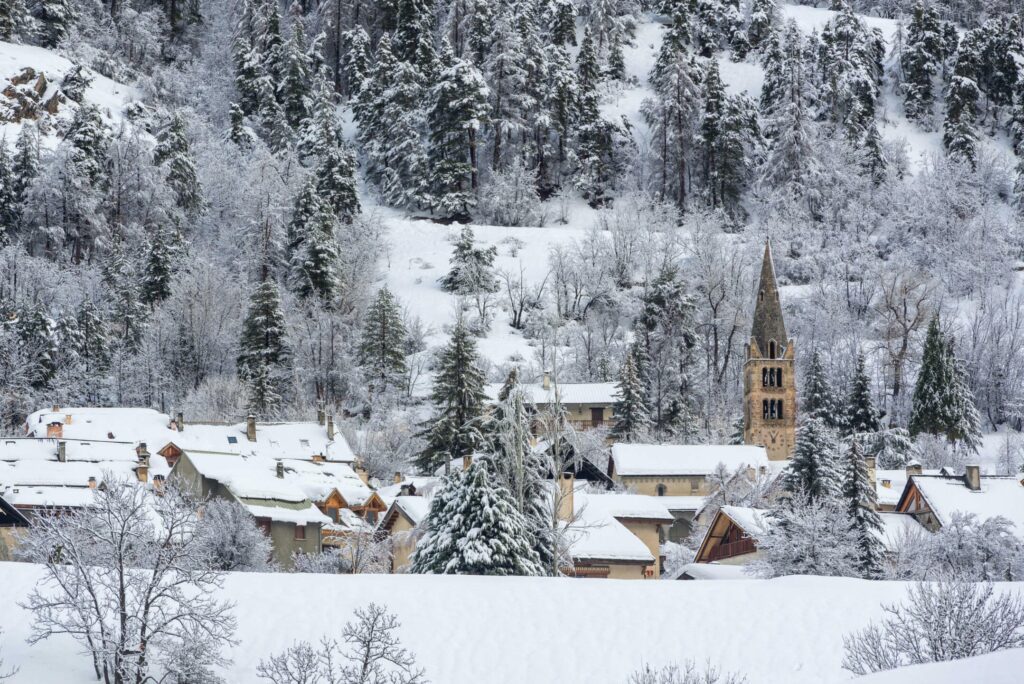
(859, 495)
(472, 267)
(632, 416)
(231, 538)
(158, 270)
(959, 133)
(860, 410)
(382, 346)
(172, 151)
(817, 400)
(813, 471)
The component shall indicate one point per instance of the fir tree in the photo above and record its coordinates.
(239, 133)
(458, 110)
(562, 21)
(959, 135)
(356, 63)
(920, 62)
(15, 22)
(54, 19)
(413, 38)
(336, 182)
(928, 412)
(507, 72)
(382, 349)
(859, 495)
(860, 411)
(475, 529)
(248, 72)
(632, 416)
(813, 470)
(37, 333)
(293, 89)
(93, 340)
(26, 161)
(312, 250)
(597, 138)
(472, 267)
(764, 17)
(128, 314)
(156, 278)
(963, 422)
(263, 356)
(320, 128)
(458, 398)
(9, 205)
(172, 151)
(817, 399)
(89, 142)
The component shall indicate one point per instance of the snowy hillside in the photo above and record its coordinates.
(466, 630)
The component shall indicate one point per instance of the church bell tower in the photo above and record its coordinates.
(769, 383)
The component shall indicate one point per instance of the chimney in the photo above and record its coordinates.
(62, 451)
(55, 429)
(280, 470)
(362, 472)
(250, 427)
(547, 380)
(142, 470)
(56, 408)
(972, 477)
(179, 418)
(869, 462)
(566, 485)
(158, 484)
(398, 477)
(330, 426)
(913, 468)
(321, 415)
(92, 483)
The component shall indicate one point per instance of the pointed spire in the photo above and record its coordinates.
(768, 324)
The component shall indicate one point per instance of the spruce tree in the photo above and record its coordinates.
(860, 411)
(239, 133)
(128, 313)
(764, 17)
(312, 249)
(459, 107)
(813, 471)
(172, 151)
(156, 278)
(293, 89)
(26, 161)
(959, 133)
(458, 398)
(597, 138)
(54, 20)
(15, 22)
(928, 407)
(472, 267)
(93, 339)
(382, 348)
(264, 357)
(336, 182)
(562, 21)
(320, 128)
(478, 531)
(859, 496)
(9, 206)
(920, 62)
(963, 423)
(817, 399)
(632, 416)
(89, 141)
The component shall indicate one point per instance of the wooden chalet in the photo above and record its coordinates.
(730, 539)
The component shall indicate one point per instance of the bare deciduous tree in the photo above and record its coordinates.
(938, 622)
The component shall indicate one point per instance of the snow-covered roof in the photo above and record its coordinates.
(309, 515)
(626, 506)
(709, 571)
(998, 496)
(424, 485)
(896, 527)
(598, 535)
(683, 503)
(897, 479)
(246, 478)
(318, 480)
(570, 393)
(415, 508)
(751, 520)
(683, 459)
(44, 496)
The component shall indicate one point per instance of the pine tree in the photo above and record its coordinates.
(382, 349)
(632, 416)
(507, 72)
(37, 332)
(173, 151)
(813, 471)
(398, 153)
(959, 134)
(356, 62)
(459, 107)
(320, 128)
(928, 409)
(817, 399)
(89, 141)
(239, 133)
(264, 357)
(859, 495)
(336, 182)
(562, 22)
(413, 38)
(93, 347)
(128, 313)
(55, 19)
(920, 62)
(9, 205)
(26, 161)
(248, 73)
(156, 278)
(458, 398)
(15, 22)
(293, 89)
(472, 267)
(312, 250)
(963, 421)
(598, 139)
(520, 468)
(860, 411)
(478, 531)
(764, 17)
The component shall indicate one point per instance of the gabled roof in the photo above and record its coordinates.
(412, 508)
(9, 515)
(636, 460)
(598, 534)
(998, 496)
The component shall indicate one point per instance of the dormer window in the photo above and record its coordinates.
(232, 440)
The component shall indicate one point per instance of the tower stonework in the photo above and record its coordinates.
(769, 382)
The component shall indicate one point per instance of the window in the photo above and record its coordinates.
(779, 409)
(662, 489)
(760, 296)
(371, 516)
(232, 440)
(304, 443)
(765, 377)
(778, 377)
(264, 525)
(300, 532)
(764, 409)
(771, 349)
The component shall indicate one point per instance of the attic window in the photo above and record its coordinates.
(887, 483)
(304, 442)
(232, 440)
(300, 532)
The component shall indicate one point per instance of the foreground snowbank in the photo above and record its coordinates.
(517, 630)
(1004, 667)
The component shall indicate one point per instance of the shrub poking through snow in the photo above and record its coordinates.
(689, 673)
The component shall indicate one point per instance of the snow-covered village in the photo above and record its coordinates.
(511, 341)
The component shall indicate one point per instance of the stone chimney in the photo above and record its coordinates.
(913, 468)
(142, 470)
(179, 420)
(250, 427)
(158, 484)
(55, 429)
(280, 470)
(547, 380)
(330, 426)
(321, 415)
(972, 477)
(362, 472)
(92, 483)
(399, 478)
(567, 486)
(62, 451)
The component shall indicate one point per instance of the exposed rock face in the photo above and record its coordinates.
(27, 95)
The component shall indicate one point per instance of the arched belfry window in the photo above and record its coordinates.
(771, 349)
(765, 377)
(760, 296)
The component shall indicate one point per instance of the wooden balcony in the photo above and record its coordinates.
(732, 549)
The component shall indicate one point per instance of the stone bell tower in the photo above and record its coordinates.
(769, 383)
